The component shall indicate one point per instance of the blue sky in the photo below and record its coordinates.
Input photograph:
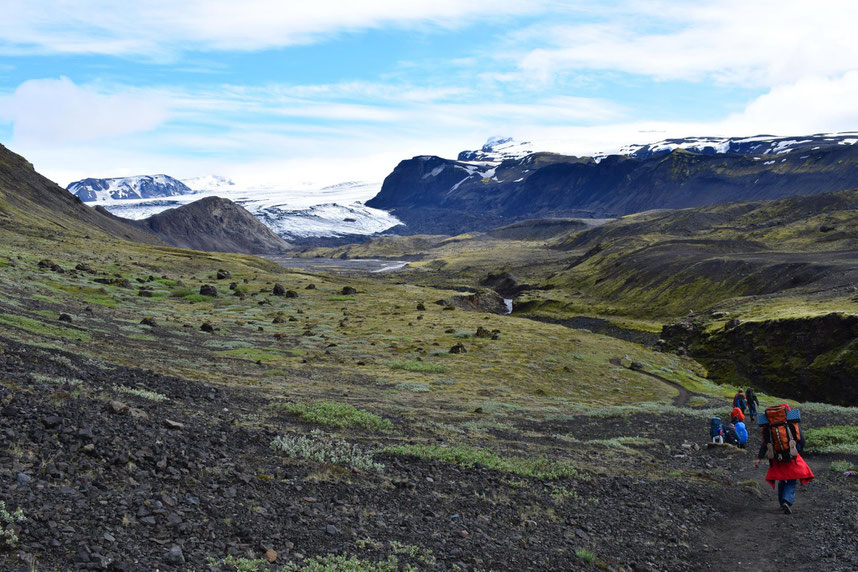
(269, 93)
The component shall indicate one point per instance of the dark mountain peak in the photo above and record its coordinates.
(214, 224)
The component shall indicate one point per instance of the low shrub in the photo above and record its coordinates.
(842, 466)
(7, 519)
(144, 393)
(322, 448)
(232, 563)
(834, 439)
(344, 563)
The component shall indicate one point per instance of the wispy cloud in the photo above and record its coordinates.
(162, 29)
(761, 43)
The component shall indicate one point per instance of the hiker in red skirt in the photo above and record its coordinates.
(785, 464)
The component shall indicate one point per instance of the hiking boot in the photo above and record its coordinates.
(786, 508)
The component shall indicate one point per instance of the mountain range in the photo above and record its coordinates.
(139, 187)
(431, 194)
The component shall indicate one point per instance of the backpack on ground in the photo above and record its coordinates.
(716, 430)
(780, 432)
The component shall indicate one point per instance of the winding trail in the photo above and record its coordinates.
(680, 400)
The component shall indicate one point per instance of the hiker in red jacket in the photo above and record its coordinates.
(736, 416)
(787, 473)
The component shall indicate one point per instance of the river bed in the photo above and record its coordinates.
(371, 265)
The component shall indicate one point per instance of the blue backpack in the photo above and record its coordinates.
(742, 433)
(716, 430)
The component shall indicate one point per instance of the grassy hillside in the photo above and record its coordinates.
(337, 424)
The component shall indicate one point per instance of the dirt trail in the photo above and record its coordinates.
(680, 400)
(759, 536)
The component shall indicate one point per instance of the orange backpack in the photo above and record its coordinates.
(780, 435)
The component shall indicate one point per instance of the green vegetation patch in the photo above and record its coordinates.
(335, 414)
(842, 466)
(834, 439)
(194, 298)
(322, 448)
(416, 366)
(255, 354)
(466, 456)
(40, 328)
(144, 393)
(344, 563)
(341, 299)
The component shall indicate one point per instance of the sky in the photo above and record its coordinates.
(269, 92)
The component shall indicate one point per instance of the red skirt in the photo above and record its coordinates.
(786, 471)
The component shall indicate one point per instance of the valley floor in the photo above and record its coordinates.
(107, 487)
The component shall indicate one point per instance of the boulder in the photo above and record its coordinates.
(223, 274)
(208, 290)
(459, 348)
(279, 290)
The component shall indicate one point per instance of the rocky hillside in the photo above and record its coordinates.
(431, 194)
(34, 203)
(139, 187)
(213, 224)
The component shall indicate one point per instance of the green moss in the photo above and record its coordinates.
(416, 366)
(194, 298)
(335, 414)
(258, 354)
(40, 328)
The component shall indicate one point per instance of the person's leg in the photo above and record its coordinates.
(788, 494)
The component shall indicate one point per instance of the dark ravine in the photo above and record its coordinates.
(804, 358)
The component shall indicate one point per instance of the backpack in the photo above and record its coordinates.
(716, 430)
(741, 433)
(730, 436)
(781, 432)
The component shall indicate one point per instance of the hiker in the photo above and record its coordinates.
(730, 435)
(782, 443)
(739, 401)
(716, 430)
(753, 403)
(741, 433)
(736, 416)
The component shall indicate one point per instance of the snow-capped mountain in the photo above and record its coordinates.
(330, 211)
(209, 183)
(756, 145)
(125, 188)
(498, 149)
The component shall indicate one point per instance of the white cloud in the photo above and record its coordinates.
(162, 28)
(810, 105)
(760, 43)
(57, 111)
